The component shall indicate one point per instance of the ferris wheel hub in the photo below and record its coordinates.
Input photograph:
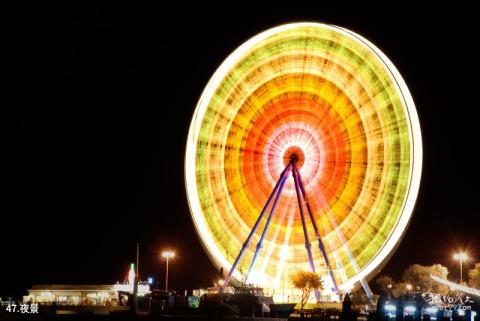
(294, 154)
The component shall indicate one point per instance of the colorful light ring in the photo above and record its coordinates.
(333, 99)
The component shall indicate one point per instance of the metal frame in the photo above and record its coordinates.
(301, 198)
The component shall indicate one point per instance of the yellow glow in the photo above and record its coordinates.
(338, 80)
(462, 256)
(168, 254)
(285, 254)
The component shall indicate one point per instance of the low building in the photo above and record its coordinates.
(83, 295)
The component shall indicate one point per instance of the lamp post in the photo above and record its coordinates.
(167, 255)
(462, 256)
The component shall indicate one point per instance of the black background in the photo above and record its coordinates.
(99, 100)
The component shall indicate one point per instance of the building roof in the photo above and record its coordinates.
(77, 287)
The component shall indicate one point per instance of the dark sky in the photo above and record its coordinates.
(94, 123)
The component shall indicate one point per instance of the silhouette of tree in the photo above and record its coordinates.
(386, 283)
(306, 281)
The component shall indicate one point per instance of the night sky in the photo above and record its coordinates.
(94, 123)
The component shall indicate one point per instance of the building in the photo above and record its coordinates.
(83, 295)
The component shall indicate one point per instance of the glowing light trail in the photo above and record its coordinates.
(333, 100)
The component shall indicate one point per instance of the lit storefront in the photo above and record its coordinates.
(89, 295)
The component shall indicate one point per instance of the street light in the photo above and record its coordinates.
(409, 288)
(462, 256)
(168, 255)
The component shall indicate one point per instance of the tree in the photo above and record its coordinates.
(399, 289)
(385, 283)
(419, 277)
(442, 272)
(306, 281)
(474, 276)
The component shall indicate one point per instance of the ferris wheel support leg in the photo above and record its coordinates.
(267, 225)
(367, 290)
(315, 227)
(345, 246)
(254, 229)
(304, 226)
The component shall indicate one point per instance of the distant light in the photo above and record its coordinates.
(150, 280)
(461, 312)
(409, 287)
(431, 310)
(390, 307)
(142, 288)
(131, 274)
(462, 256)
(410, 309)
(168, 254)
(221, 282)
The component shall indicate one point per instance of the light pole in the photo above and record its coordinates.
(167, 255)
(462, 256)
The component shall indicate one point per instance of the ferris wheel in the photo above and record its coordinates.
(304, 153)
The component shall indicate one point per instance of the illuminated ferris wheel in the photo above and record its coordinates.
(304, 153)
